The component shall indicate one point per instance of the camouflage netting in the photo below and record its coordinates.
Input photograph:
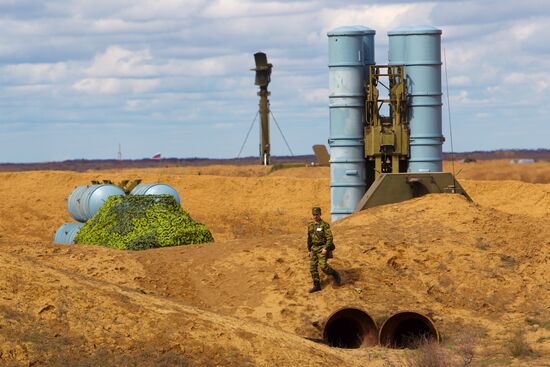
(138, 222)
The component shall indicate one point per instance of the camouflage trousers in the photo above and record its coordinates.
(318, 259)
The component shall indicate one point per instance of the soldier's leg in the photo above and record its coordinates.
(313, 262)
(328, 270)
(324, 266)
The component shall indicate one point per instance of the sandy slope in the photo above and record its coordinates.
(502, 169)
(477, 269)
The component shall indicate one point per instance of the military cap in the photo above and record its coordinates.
(316, 210)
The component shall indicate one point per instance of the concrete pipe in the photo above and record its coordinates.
(407, 330)
(350, 328)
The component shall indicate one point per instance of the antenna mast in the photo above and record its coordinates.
(263, 77)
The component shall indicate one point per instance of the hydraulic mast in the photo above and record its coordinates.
(263, 78)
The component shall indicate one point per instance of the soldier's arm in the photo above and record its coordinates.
(309, 243)
(328, 236)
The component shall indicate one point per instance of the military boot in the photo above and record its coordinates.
(316, 287)
(337, 279)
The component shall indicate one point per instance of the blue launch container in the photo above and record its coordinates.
(66, 234)
(85, 201)
(156, 189)
(419, 49)
(351, 52)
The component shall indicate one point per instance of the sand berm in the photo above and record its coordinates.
(480, 270)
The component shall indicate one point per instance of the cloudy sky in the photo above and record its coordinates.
(78, 77)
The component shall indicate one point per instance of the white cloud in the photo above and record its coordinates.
(186, 62)
(115, 86)
(119, 61)
(224, 125)
(460, 80)
(380, 17)
(165, 9)
(132, 104)
(246, 8)
(37, 73)
(315, 95)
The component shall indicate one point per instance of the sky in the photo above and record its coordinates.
(80, 77)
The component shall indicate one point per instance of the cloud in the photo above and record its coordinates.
(117, 61)
(249, 9)
(166, 9)
(36, 73)
(484, 12)
(315, 95)
(183, 66)
(224, 125)
(380, 17)
(115, 86)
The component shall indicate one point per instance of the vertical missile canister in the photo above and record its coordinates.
(351, 52)
(419, 49)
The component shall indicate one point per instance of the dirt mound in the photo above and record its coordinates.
(478, 269)
(214, 170)
(538, 172)
(303, 172)
(231, 207)
(54, 317)
(512, 197)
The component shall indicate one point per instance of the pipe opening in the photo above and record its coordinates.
(350, 328)
(407, 330)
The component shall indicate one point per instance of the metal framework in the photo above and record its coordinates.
(386, 137)
(387, 146)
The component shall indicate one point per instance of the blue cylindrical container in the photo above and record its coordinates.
(85, 201)
(66, 234)
(156, 189)
(419, 49)
(351, 52)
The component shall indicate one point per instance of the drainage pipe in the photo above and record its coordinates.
(407, 330)
(350, 328)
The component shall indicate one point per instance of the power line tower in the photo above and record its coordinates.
(119, 155)
(263, 77)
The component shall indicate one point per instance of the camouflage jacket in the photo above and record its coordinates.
(319, 234)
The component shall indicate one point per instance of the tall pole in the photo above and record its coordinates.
(265, 147)
(263, 77)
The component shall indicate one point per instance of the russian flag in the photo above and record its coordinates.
(156, 156)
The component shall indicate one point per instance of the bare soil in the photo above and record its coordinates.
(480, 270)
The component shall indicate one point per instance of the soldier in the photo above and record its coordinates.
(319, 245)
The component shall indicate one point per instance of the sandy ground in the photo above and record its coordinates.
(481, 270)
(502, 169)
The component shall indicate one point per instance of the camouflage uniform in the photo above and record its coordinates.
(319, 237)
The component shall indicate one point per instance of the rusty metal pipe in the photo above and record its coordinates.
(350, 328)
(407, 330)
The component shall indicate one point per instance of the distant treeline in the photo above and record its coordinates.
(537, 154)
(81, 165)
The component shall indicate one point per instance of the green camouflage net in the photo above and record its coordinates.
(138, 222)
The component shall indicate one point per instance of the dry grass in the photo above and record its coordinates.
(544, 323)
(519, 348)
(432, 354)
